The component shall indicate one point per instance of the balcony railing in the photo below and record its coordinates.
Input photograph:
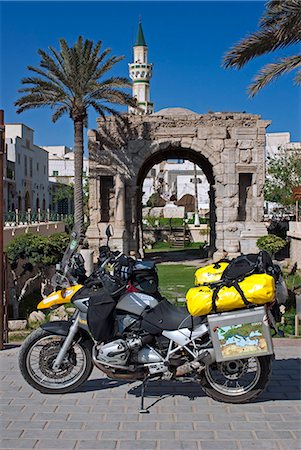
(19, 218)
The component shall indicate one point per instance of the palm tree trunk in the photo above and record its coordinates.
(78, 171)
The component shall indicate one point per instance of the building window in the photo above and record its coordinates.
(245, 192)
(27, 143)
(30, 167)
(25, 165)
(106, 184)
(55, 173)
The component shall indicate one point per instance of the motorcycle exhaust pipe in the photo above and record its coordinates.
(205, 358)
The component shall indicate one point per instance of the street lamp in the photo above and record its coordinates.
(196, 202)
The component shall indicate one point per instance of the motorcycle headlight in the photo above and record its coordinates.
(66, 292)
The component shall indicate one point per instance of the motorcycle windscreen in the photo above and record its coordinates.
(75, 240)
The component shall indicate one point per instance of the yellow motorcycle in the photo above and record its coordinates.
(125, 328)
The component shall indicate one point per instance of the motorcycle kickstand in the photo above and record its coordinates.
(143, 387)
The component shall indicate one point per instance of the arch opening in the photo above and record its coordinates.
(182, 154)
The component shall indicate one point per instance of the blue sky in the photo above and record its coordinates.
(186, 41)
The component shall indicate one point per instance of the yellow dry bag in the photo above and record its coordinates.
(257, 289)
(210, 273)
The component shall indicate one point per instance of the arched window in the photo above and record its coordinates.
(27, 201)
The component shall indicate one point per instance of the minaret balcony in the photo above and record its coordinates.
(140, 71)
(140, 66)
(136, 76)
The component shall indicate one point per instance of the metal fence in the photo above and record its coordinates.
(17, 218)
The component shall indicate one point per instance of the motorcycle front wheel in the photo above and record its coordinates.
(238, 381)
(36, 358)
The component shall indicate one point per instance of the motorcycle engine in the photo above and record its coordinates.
(116, 353)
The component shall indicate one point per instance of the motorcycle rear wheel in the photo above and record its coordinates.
(237, 381)
(37, 355)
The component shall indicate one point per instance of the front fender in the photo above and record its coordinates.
(59, 327)
(62, 327)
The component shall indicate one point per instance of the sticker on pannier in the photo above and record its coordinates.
(240, 334)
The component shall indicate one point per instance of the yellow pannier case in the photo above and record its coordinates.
(258, 289)
(210, 273)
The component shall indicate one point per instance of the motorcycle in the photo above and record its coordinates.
(135, 334)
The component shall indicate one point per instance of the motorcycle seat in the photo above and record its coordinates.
(166, 316)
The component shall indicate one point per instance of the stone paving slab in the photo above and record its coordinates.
(103, 414)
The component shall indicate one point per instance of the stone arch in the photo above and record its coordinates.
(229, 147)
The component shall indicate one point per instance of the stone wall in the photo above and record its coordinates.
(229, 147)
(294, 234)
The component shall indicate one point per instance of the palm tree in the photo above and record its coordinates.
(70, 81)
(279, 27)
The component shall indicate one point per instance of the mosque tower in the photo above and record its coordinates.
(141, 72)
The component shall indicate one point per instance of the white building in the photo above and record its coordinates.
(278, 144)
(61, 164)
(176, 178)
(26, 177)
(274, 142)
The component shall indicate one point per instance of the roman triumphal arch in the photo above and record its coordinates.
(229, 147)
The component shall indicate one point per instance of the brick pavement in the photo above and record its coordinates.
(103, 415)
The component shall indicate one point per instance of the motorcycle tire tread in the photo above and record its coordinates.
(266, 371)
(27, 344)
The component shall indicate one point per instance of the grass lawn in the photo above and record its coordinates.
(166, 247)
(175, 280)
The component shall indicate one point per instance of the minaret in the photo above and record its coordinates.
(141, 72)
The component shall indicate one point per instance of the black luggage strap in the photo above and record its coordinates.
(240, 291)
(216, 286)
(214, 297)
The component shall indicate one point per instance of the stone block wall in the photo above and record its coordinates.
(229, 147)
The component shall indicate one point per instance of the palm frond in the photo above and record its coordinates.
(113, 96)
(272, 71)
(72, 79)
(280, 26)
(297, 78)
(59, 112)
(119, 82)
(108, 64)
(48, 63)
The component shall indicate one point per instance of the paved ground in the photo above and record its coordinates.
(103, 415)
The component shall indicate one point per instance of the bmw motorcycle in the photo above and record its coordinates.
(125, 328)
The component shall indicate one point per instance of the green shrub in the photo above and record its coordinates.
(271, 243)
(37, 249)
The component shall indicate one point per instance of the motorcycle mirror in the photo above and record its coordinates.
(109, 231)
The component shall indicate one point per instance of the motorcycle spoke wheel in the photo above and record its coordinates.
(234, 377)
(36, 359)
(237, 381)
